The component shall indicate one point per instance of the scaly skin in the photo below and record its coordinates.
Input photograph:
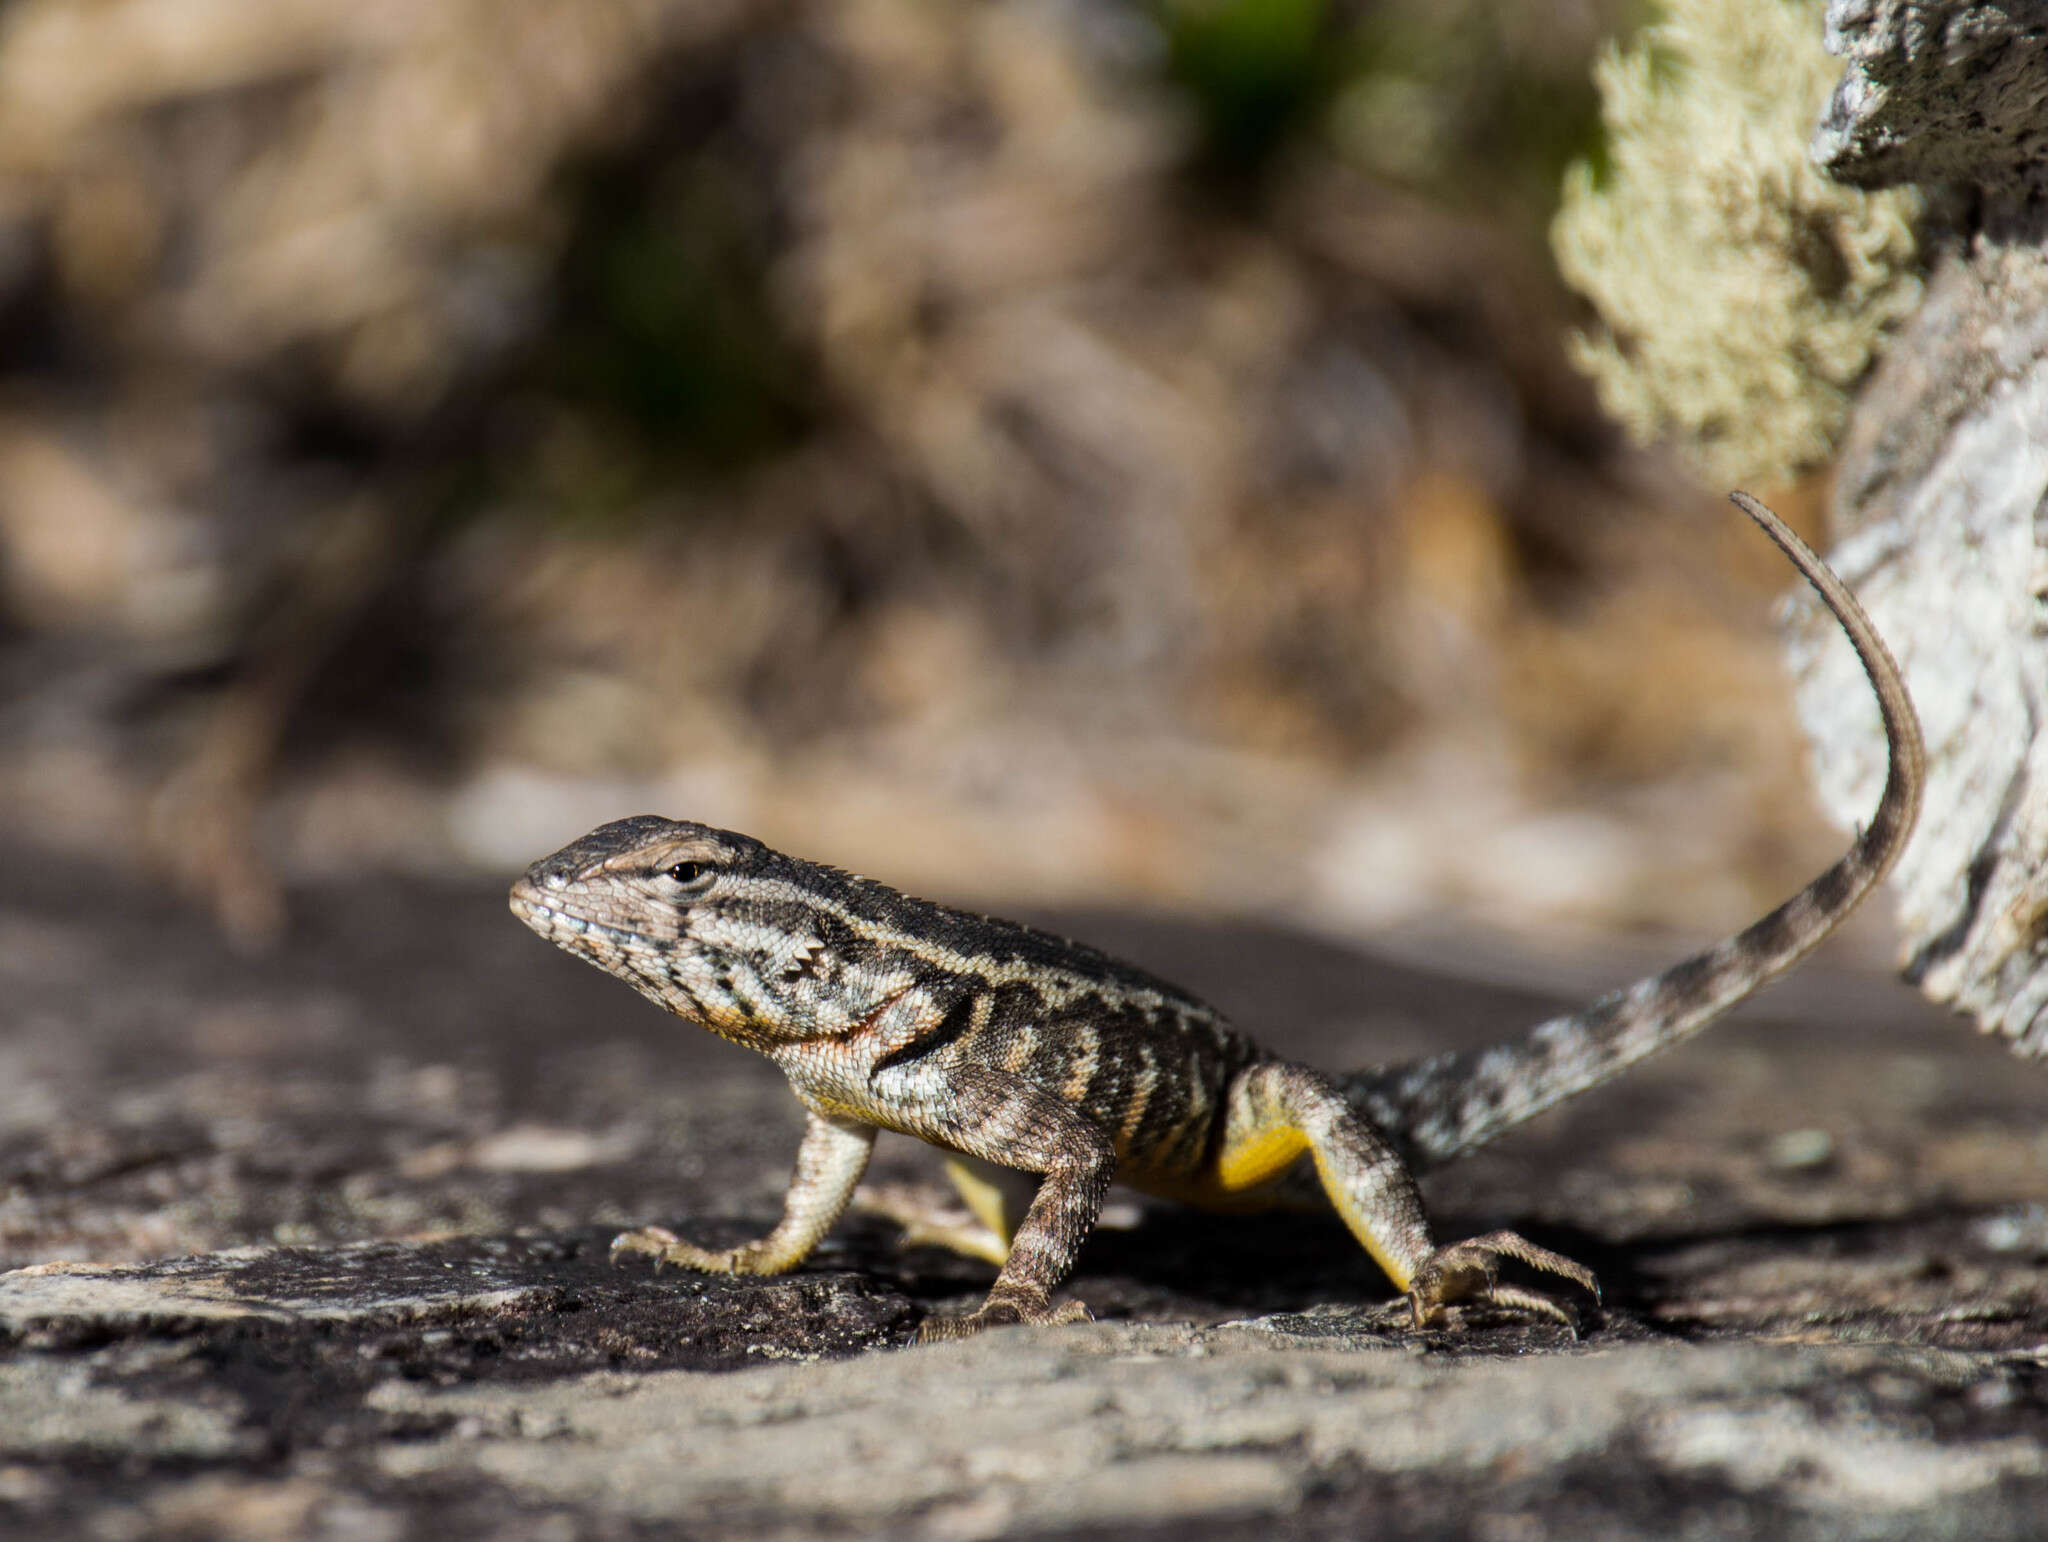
(1014, 1049)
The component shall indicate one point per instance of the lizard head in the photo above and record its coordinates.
(661, 904)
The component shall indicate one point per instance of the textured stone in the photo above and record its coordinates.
(1938, 91)
(1844, 1345)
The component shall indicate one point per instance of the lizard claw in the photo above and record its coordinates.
(665, 1247)
(1469, 1269)
(654, 1240)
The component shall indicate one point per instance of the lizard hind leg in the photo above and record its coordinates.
(1277, 1111)
(996, 1199)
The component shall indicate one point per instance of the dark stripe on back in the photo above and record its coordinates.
(960, 931)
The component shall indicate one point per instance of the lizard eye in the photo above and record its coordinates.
(688, 872)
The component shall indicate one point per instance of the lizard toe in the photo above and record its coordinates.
(665, 1247)
(651, 1240)
(1470, 1270)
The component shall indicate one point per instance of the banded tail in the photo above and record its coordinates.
(1442, 1107)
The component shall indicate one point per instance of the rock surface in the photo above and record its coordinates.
(1940, 497)
(1938, 91)
(316, 1248)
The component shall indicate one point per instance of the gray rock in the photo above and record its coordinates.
(1941, 495)
(1938, 91)
(1797, 1342)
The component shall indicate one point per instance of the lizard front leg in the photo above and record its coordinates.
(1277, 1111)
(829, 1165)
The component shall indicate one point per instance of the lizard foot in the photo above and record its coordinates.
(1469, 1269)
(665, 1247)
(939, 1330)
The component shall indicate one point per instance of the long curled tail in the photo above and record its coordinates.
(1440, 1108)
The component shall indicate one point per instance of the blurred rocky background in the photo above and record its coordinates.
(1033, 452)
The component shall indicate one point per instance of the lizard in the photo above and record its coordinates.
(1010, 1048)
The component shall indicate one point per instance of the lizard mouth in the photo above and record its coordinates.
(560, 926)
(550, 923)
(528, 904)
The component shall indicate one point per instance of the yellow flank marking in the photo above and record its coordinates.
(1260, 1158)
(1360, 1228)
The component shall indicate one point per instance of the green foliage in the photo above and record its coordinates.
(1448, 100)
(1443, 96)
(1256, 70)
(666, 354)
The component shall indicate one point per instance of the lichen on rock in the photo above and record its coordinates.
(1741, 293)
